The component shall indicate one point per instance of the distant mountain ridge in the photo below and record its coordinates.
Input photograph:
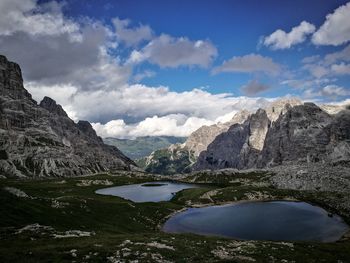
(143, 146)
(240, 142)
(41, 140)
(303, 134)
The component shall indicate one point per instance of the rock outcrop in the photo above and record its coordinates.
(301, 134)
(41, 140)
(179, 158)
(199, 140)
(239, 147)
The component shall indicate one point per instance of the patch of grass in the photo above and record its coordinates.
(125, 231)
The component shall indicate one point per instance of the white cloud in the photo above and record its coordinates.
(343, 55)
(131, 36)
(307, 83)
(282, 40)
(136, 102)
(310, 59)
(336, 29)
(317, 70)
(27, 16)
(253, 88)
(332, 64)
(145, 74)
(170, 125)
(329, 92)
(167, 51)
(249, 63)
(341, 69)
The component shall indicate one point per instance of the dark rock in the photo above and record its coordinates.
(51, 105)
(41, 140)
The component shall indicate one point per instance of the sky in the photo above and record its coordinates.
(149, 68)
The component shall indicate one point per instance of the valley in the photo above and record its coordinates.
(67, 217)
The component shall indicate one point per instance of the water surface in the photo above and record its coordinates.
(147, 192)
(275, 220)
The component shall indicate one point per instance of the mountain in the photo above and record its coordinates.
(301, 134)
(174, 159)
(199, 140)
(166, 162)
(308, 134)
(143, 146)
(41, 140)
(179, 158)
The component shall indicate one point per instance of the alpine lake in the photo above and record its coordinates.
(135, 216)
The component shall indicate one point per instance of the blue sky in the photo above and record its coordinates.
(137, 68)
(234, 27)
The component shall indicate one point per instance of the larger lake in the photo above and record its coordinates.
(147, 192)
(275, 220)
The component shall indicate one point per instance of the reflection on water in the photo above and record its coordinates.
(276, 220)
(146, 192)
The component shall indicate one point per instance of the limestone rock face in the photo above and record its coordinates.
(199, 140)
(238, 147)
(280, 107)
(41, 140)
(303, 134)
(51, 105)
(298, 135)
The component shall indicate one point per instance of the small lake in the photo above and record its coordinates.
(275, 220)
(147, 192)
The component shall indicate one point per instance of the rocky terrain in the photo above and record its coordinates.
(200, 139)
(301, 134)
(180, 157)
(41, 140)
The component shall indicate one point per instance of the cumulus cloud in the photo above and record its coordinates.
(341, 69)
(336, 29)
(307, 83)
(329, 91)
(316, 70)
(56, 57)
(332, 64)
(170, 125)
(27, 16)
(145, 74)
(282, 40)
(248, 64)
(131, 36)
(310, 59)
(167, 51)
(137, 102)
(342, 55)
(254, 87)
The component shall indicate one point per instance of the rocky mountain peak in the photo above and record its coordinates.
(11, 81)
(281, 106)
(41, 140)
(87, 129)
(259, 124)
(240, 117)
(51, 105)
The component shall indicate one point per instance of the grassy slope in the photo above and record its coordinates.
(125, 230)
(143, 146)
(168, 162)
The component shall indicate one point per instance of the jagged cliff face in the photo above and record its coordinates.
(301, 134)
(238, 147)
(199, 140)
(41, 140)
(306, 133)
(179, 158)
(227, 137)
